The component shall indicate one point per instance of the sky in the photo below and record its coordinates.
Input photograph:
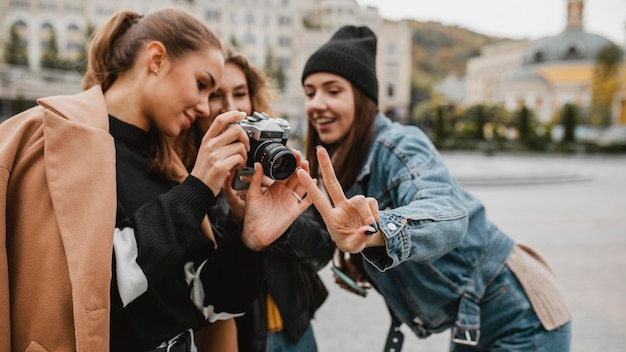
(531, 19)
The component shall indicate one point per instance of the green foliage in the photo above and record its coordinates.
(234, 42)
(610, 55)
(524, 123)
(80, 64)
(274, 70)
(50, 56)
(15, 50)
(476, 115)
(569, 114)
(51, 59)
(605, 85)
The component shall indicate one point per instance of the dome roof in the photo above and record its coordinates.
(571, 44)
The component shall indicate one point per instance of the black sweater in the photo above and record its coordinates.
(158, 244)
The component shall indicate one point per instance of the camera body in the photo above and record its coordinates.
(268, 139)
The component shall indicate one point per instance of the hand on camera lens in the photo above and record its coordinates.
(269, 213)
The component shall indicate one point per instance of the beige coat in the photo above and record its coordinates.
(57, 215)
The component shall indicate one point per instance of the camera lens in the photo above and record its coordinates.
(278, 162)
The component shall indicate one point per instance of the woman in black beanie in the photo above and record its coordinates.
(415, 235)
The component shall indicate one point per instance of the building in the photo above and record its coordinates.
(544, 74)
(557, 70)
(284, 31)
(485, 72)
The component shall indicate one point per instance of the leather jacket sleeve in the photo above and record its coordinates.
(307, 239)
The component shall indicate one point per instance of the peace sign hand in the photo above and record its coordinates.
(352, 223)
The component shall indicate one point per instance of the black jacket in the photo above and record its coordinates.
(291, 278)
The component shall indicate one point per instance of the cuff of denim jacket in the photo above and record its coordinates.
(398, 244)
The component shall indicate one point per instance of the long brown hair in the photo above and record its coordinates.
(258, 88)
(116, 44)
(349, 153)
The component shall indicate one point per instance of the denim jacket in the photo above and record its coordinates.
(441, 250)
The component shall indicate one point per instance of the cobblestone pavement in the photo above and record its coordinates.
(572, 209)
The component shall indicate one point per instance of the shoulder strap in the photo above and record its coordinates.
(395, 337)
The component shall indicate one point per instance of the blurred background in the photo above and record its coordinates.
(535, 79)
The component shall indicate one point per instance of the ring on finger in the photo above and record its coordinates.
(298, 198)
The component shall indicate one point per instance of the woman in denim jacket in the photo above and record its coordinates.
(428, 246)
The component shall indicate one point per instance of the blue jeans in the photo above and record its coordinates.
(508, 322)
(278, 342)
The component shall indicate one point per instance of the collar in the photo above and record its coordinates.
(381, 123)
(128, 133)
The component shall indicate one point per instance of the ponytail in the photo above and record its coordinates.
(108, 54)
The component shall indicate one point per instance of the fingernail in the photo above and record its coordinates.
(373, 225)
(318, 146)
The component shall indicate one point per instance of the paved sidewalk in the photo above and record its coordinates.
(570, 208)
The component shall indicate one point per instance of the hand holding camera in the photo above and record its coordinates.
(221, 150)
(268, 139)
(269, 207)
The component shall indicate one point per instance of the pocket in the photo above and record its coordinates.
(493, 292)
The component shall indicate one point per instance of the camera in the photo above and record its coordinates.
(268, 139)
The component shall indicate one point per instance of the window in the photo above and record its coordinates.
(47, 5)
(572, 50)
(73, 8)
(46, 35)
(249, 39)
(390, 90)
(250, 18)
(284, 21)
(19, 4)
(283, 62)
(22, 33)
(284, 42)
(74, 41)
(212, 16)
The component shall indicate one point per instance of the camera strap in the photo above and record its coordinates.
(395, 337)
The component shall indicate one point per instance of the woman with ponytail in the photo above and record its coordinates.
(107, 242)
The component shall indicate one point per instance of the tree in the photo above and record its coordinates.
(15, 50)
(441, 125)
(80, 64)
(524, 124)
(605, 84)
(274, 70)
(234, 42)
(477, 117)
(568, 119)
(50, 56)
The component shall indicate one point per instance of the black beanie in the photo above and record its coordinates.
(350, 53)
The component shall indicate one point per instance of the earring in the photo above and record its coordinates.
(155, 70)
